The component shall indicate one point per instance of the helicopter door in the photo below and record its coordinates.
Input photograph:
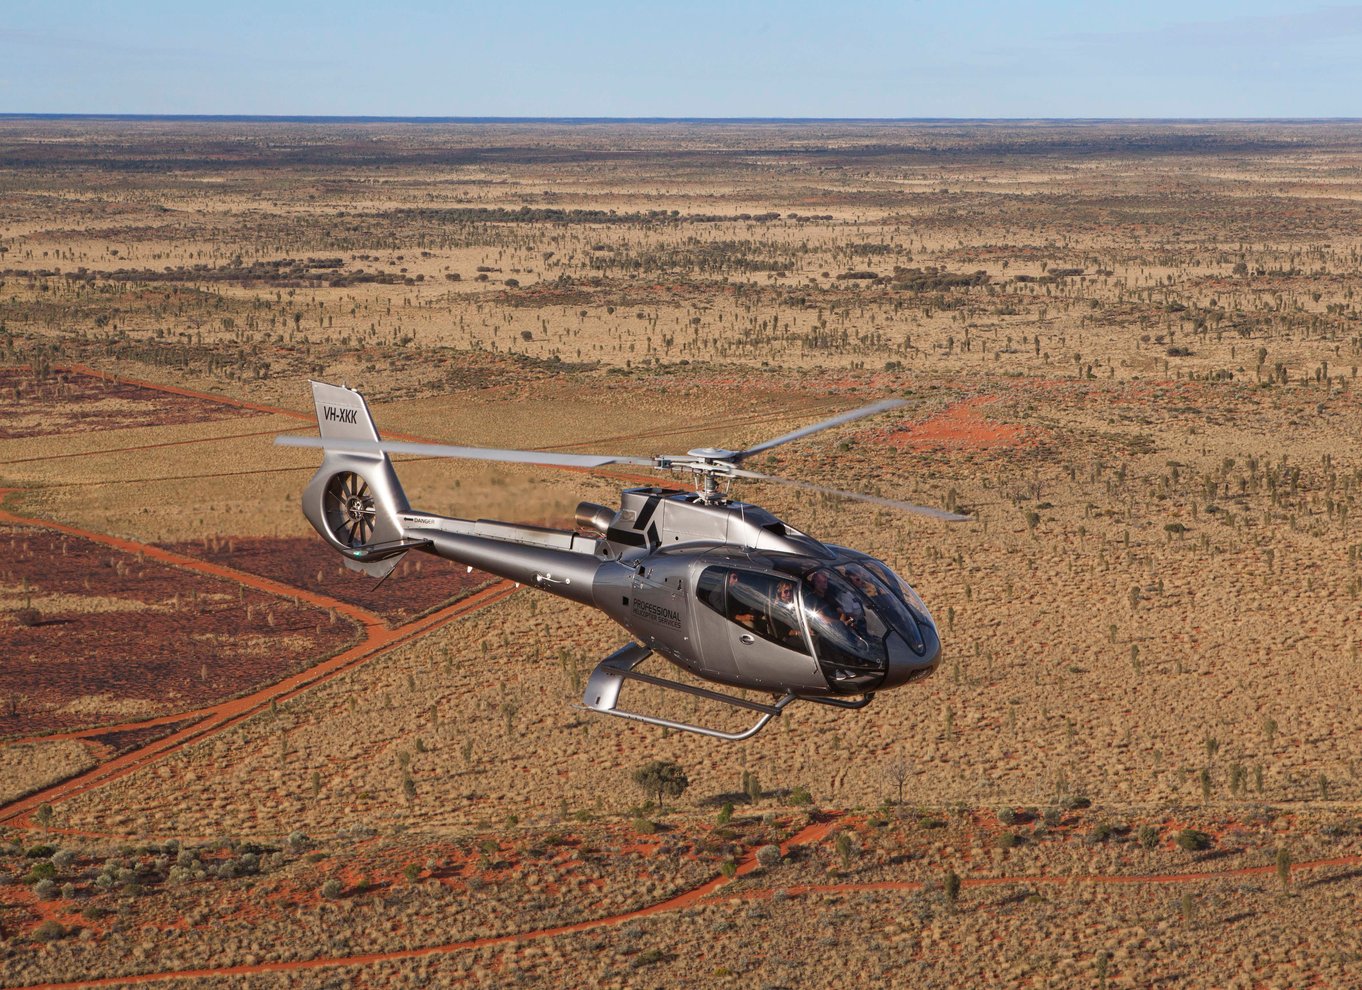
(760, 624)
(764, 627)
(711, 628)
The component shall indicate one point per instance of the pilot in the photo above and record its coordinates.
(851, 612)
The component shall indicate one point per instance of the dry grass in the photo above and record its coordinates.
(1148, 401)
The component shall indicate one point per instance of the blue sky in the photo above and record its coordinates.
(971, 58)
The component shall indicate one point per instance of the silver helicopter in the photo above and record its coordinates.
(721, 588)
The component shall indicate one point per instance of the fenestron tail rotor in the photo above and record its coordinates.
(349, 510)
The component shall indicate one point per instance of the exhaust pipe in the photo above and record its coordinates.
(593, 517)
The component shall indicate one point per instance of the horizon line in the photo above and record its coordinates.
(501, 119)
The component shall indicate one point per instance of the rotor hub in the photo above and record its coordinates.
(712, 453)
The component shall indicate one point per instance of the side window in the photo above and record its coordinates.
(765, 605)
(710, 588)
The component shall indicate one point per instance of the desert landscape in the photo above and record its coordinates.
(1128, 351)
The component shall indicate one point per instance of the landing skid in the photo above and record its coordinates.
(604, 684)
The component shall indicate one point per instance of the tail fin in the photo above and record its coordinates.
(354, 500)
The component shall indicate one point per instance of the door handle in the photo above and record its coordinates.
(747, 638)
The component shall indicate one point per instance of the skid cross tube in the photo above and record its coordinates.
(603, 689)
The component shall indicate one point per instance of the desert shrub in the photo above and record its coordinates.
(648, 957)
(1007, 816)
(645, 826)
(1147, 836)
(41, 871)
(951, 887)
(50, 931)
(845, 849)
(63, 858)
(1100, 833)
(68, 891)
(801, 796)
(728, 868)
(94, 912)
(332, 889)
(46, 890)
(298, 840)
(725, 813)
(1007, 840)
(1076, 803)
(28, 617)
(1051, 818)
(1192, 840)
(768, 855)
(40, 852)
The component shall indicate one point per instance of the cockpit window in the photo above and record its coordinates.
(895, 583)
(764, 604)
(848, 635)
(881, 593)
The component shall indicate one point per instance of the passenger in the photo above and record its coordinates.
(785, 617)
(738, 610)
(861, 579)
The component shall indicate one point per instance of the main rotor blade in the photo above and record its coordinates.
(921, 510)
(827, 424)
(471, 453)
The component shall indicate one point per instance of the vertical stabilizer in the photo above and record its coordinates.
(354, 500)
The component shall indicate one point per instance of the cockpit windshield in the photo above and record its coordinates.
(848, 633)
(879, 591)
(895, 583)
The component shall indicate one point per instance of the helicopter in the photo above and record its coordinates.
(721, 588)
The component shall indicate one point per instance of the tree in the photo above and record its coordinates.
(1284, 867)
(898, 773)
(662, 778)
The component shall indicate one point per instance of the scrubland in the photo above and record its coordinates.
(1128, 351)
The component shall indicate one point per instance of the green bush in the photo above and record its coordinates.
(1147, 836)
(645, 826)
(332, 889)
(801, 796)
(1192, 840)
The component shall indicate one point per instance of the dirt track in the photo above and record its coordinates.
(377, 639)
(710, 891)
